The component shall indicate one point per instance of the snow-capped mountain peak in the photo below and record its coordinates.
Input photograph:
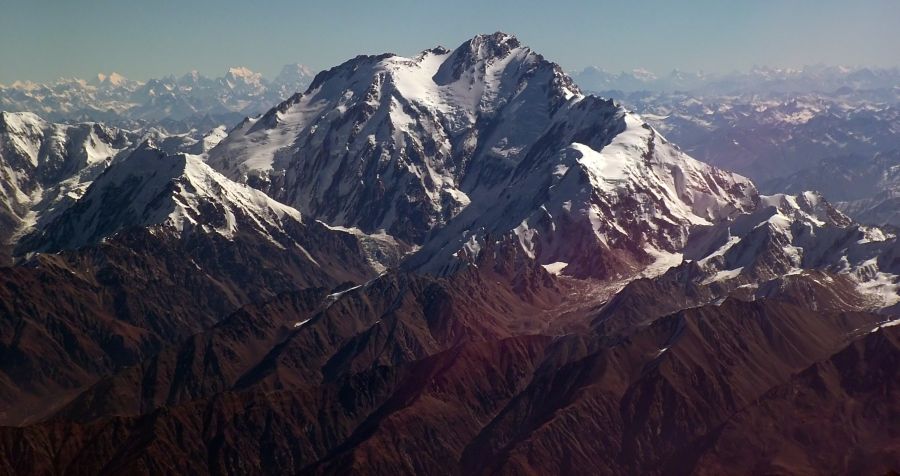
(179, 193)
(242, 72)
(112, 79)
(241, 75)
(427, 112)
(292, 79)
(448, 145)
(291, 71)
(43, 165)
(791, 235)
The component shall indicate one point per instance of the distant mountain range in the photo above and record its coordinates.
(456, 262)
(785, 139)
(865, 187)
(176, 103)
(807, 79)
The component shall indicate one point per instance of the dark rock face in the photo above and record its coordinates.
(70, 318)
(670, 397)
(838, 415)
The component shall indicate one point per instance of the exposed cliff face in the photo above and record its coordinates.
(69, 319)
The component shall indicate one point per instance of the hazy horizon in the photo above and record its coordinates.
(44, 40)
(272, 75)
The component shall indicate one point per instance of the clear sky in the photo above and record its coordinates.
(45, 39)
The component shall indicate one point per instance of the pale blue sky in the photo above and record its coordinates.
(46, 39)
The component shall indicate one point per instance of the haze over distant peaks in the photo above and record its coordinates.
(758, 79)
(175, 103)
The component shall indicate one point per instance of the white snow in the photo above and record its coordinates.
(891, 323)
(178, 192)
(526, 237)
(883, 287)
(724, 275)
(730, 242)
(614, 164)
(335, 296)
(556, 267)
(895, 322)
(873, 234)
(76, 150)
(663, 261)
